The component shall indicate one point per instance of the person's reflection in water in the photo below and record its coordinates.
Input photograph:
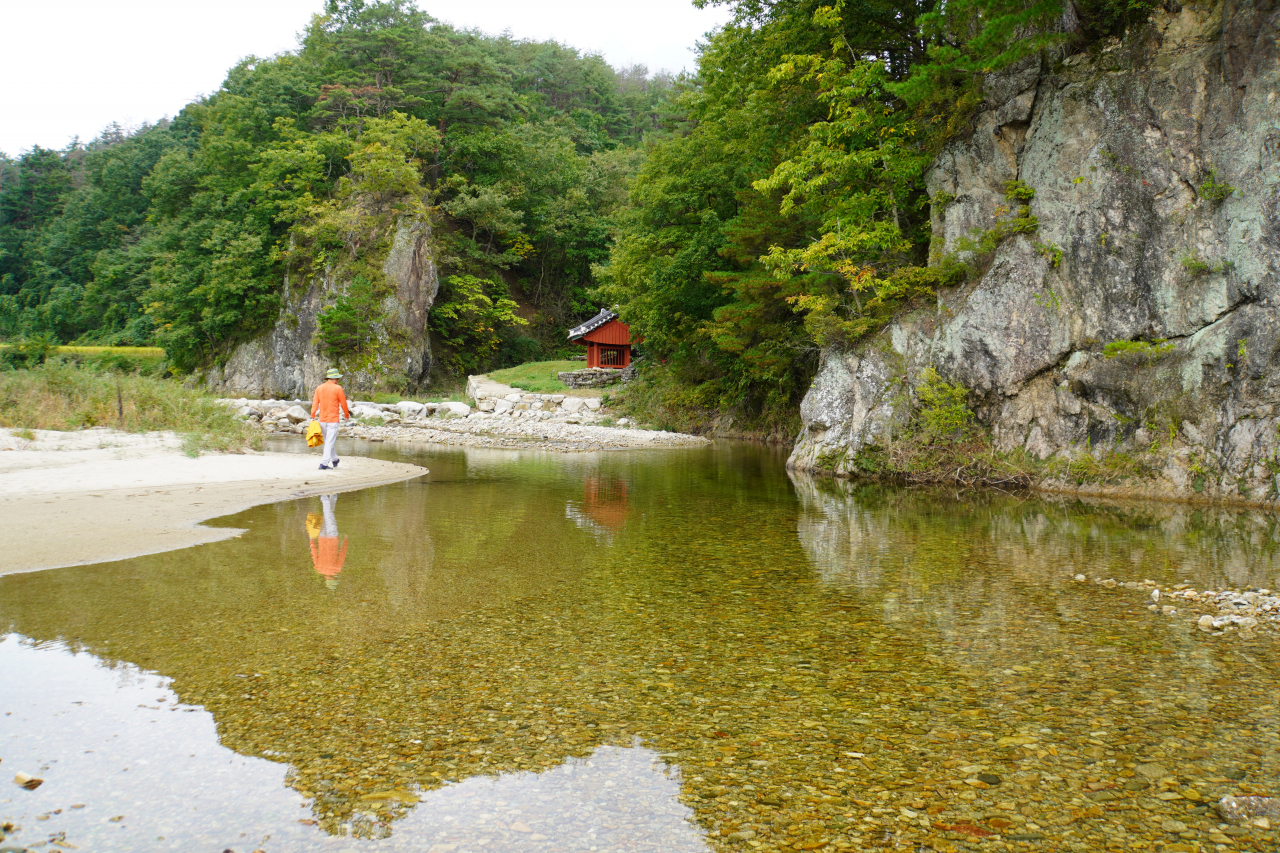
(327, 554)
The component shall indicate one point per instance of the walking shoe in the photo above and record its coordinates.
(324, 467)
(335, 462)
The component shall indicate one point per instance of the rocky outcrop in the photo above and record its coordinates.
(288, 361)
(1156, 168)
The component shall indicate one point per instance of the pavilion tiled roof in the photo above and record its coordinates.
(594, 323)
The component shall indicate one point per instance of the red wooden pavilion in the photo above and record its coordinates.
(607, 339)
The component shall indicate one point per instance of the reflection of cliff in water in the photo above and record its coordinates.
(852, 532)
(984, 579)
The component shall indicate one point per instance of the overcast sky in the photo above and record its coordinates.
(69, 68)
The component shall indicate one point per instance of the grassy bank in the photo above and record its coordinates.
(61, 395)
(537, 377)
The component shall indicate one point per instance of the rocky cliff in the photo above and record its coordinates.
(1155, 163)
(287, 362)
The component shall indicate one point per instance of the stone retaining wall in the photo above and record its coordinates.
(590, 377)
(517, 402)
(597, 377)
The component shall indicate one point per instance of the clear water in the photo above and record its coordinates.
(653, 651)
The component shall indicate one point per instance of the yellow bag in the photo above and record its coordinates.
(315, 438)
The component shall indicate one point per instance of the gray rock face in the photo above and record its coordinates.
(1133, 245)
(287, 361)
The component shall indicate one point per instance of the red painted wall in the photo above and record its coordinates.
(612, 332)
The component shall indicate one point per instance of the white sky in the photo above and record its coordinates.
(70, 67)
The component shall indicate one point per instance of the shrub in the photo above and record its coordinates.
(942, 413)
(1214, 191)
(28, 352)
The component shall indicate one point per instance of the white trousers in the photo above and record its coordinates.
(329, 503)
(330, 433)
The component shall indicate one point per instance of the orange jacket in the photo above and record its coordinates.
(326, 556)
(327, 401)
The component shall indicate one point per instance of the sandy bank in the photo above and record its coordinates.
(70, 498)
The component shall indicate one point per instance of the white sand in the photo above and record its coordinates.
(70, 498)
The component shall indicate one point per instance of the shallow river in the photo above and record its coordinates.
(675, 651)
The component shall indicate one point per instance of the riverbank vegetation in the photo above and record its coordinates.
(740, 218)
(60, 395)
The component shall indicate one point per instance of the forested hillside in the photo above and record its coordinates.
(771, 205)
(182, 234)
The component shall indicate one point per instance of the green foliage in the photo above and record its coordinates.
(1052, 251)
(741, 219)
(1214, 191)
(1049, 299)
(1147, 350)
(942, 413)
(348, 326)
(27, 352)
(470, 315)
(1018, 191)
(1198, 266)
(980, 246)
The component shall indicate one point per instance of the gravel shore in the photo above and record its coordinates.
(525, 435)
(457, 424)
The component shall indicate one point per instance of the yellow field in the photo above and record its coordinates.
(137, 352)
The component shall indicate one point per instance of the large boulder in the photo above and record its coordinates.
(409, 409)
(453, 410)
(297, 414)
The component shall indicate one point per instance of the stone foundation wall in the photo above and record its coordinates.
(591, 377)
(598, 377)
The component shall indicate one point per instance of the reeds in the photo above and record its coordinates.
(59, 395)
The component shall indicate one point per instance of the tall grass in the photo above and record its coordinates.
(59, 395)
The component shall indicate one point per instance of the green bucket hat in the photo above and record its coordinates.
(333, 374)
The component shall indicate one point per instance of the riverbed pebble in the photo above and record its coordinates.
(1233, 610)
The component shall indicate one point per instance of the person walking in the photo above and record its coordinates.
(328, 404)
